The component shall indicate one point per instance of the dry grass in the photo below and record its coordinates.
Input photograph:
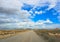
(9, 33)
(49, 35)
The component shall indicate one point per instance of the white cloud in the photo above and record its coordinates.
(31, 2)
(48, 21)
(14, 4)
(11, 14)
(10, 6)
(52, 3)
(11, 10)
(45, 21)
(40, 12)
(30, 24)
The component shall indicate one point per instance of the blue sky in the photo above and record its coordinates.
(30, 14)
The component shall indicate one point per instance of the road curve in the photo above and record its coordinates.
(29, 36)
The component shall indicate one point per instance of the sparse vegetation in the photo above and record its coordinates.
(49, 35)
(9, 33)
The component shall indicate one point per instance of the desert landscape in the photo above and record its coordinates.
(30, 35)
(29, 20)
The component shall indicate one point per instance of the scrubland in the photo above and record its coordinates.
(52, 35)
(9, 33)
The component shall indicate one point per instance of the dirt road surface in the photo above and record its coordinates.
(29, 36)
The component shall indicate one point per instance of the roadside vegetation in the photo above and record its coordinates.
(52, 35)
(9, 33)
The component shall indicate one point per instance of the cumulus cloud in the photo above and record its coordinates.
(13, 4)
(7, 10)
(12, 8)
(30, 24)
(12, 16)
(9, 6)
(50, 3)
(43, 5)
(11, 13)
(45, 21)
(40, 12)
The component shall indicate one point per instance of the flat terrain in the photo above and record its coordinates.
(29, 36)
(49, 35)
(9, 33)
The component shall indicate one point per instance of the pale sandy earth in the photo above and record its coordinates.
(29, 36)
